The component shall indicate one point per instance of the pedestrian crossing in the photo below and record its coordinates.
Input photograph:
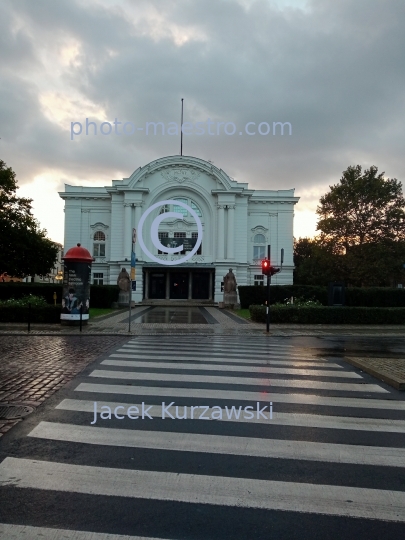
(186, 436)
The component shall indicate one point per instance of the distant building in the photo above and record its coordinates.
(237, 222)
(5, 278)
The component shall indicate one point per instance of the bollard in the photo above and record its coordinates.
(81, 317)
(29, 316)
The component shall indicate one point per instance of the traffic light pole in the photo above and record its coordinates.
(268, 294)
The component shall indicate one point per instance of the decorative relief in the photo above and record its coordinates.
(180, 174)
(99, 225)
(259, 229)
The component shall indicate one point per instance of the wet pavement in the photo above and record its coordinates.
(168, 315)
(33, 368)
(329, 463)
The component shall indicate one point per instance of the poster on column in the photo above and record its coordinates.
(76, 291)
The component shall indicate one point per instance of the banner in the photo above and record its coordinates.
(188, 243)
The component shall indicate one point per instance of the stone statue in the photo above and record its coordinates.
(123, 281)
(230, 294)
(230, 282)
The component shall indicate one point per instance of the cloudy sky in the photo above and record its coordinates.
(334, 69)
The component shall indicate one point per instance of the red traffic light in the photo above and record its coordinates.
(266, 267)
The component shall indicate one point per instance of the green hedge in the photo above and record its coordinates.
(328, 315)
(101, 296)
(18, 314)
(354, 296)
(18, 290)
(257, 294)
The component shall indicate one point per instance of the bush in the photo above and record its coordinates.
(39, 314)
(328, 315)
(375, 297)
(354, 296)
(37, 301)
(101, 296)
(257, 294)
(19, 290)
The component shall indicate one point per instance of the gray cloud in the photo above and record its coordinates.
(334, 70)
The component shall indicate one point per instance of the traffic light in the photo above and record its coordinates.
(266, 267)
(274, 270)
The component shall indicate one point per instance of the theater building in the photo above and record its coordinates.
(237, 224)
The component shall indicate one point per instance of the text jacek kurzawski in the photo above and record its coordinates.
(182, 412)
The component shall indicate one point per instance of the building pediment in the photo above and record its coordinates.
(177, 170)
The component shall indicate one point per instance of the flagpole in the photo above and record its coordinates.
(181, 130)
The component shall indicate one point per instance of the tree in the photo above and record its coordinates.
(362, 209)
(316, 263)
(363, 218)
(24, 247)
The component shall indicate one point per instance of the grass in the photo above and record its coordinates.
(97, 312)
(244, 313)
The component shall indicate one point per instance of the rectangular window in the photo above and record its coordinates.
(258, 252)
(162, 235)
(98, 278)
(199, 250)
(180, 235)
(259, 279)
(98, 250)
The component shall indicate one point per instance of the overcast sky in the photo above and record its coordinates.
(334, 69)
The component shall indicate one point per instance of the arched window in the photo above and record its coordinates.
(99, 235)
(259, 248)
(99, 244)
(259, 239)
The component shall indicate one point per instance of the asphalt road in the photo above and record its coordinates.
(312, 448)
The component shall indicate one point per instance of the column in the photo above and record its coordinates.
(190, 290)
(127, 231)
(221, 231)
(138, 212)
(167, 285)
(85, 230)
(146, 284)
(231, 233)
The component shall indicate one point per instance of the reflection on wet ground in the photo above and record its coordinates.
(174, 315)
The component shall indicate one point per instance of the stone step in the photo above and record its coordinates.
(178, 303)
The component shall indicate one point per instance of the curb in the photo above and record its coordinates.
(388, 378)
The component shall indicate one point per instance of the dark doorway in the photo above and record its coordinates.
(157, 285)
(201, 285)
(179, 285)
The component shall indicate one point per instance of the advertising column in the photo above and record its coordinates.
(76, 286)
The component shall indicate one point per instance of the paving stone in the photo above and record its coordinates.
(32, 368)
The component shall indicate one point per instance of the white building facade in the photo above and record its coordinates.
(237, 224)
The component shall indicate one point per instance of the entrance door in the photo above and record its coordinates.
(157, 285)
(178, 285)
(201, 283)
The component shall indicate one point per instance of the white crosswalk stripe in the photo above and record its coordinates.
(208, 367)
(218, 379)
(315, 413)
